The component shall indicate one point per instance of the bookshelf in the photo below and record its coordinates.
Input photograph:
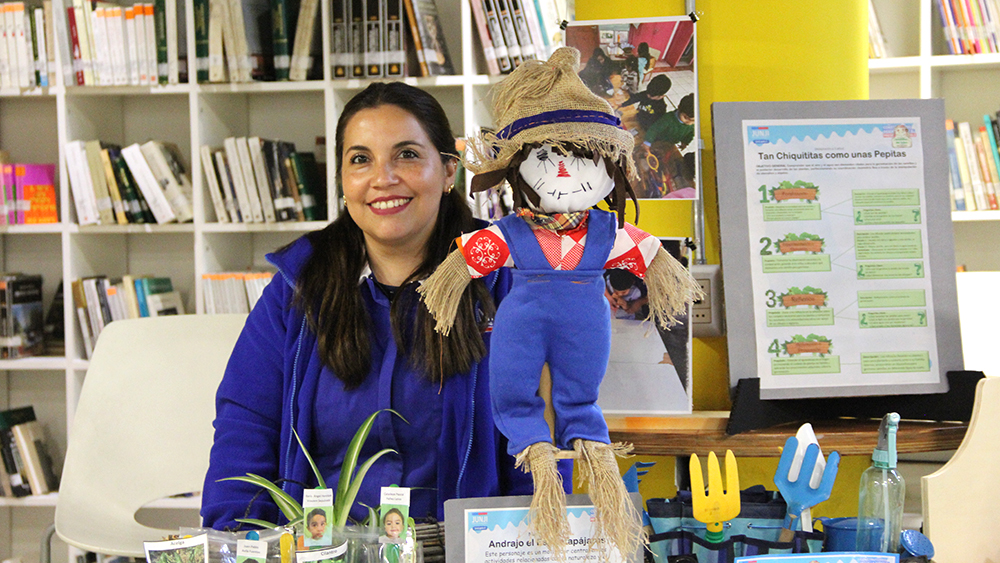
(34, 127)
(919, 66)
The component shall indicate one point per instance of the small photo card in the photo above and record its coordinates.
(251, 551)
(193, 549)
(394, 511)
(318, 507)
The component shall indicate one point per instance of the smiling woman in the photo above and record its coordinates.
(340, 334)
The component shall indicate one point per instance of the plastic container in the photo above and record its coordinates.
(881, 494)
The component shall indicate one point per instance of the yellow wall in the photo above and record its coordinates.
(757, 50)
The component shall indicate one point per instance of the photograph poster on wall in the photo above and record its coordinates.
(649, 371)
(646, 70)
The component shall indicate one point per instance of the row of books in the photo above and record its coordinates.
(26, 467)
(99, 300)
(27, 53)
(27, 192)
(254, 180)
(233, 292)
(970, 26)
(135, 184)
(368, 38)
(22, 319)
(974, 164)
(116, 45)
(512, 31)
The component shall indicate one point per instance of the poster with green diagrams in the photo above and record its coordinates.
(838, 251)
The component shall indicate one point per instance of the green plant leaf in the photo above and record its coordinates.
(350, 462)
(286, 504)
(319, 476)
(347, 499)
(260, 523)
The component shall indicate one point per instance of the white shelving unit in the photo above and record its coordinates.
(36, 124)
(919, 66)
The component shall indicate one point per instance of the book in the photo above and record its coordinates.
(115, 21)
(201, 40)
(152, 286)
(136, 49)
(92, 291)
(249, 179)
(971, 204)
(82, 316)
(165, 162)
(985, 161)
(282, 17)
(285, 152)
(972, 164)
(227, 187)
(284, 203)
(102, 48)
(37, 463)
(257, 17)
(212, 182)
(148, 185)
(486, 41)
(136, 209)
(152, 57)
(117, 201)
(374, 45)
(99, 182)
(340, 54)
(357, 30)
(393, 39)
(5, 57)
(958, 188)
(76, 54)
(84, 200)
(301, 62)
(310, 187)
(23, 333)
(263, 179)
(55, 327)
(521, 29)
(81, 12)
(218, 21)
(130, 297)
(12, 459)
(160, 30)
(236, 176)
(36, 193)
(25, 66)
(432, 39)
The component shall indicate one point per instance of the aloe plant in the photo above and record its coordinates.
(347, 487)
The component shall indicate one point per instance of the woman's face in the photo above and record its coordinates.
(393, 525)
(393, 177)
(317, 526)
(565, 182)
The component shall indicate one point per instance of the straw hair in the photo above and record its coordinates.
(531, 93)
(442, 291)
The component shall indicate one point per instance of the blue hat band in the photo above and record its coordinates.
(559, 116)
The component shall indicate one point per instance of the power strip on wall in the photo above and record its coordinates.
(707, 317)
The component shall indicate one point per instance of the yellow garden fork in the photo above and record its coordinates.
(713, 506)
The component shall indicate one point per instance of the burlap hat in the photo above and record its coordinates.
(546, 102)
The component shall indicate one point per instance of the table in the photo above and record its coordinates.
(705, 431)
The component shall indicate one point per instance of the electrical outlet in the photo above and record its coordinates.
(707, 315)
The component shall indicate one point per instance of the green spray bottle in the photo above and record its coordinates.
(881, 495)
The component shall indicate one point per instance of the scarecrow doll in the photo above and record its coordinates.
(562, 150)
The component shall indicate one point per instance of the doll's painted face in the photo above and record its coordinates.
(565, 182)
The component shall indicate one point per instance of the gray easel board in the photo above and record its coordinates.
(923, 179)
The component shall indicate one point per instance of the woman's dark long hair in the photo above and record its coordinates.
(327, 289)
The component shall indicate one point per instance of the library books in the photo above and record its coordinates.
(233, 292)
(99, 300)
(974, 164)
(27, 193)
(141, 44)
(22, 318)
(255, 180)
(136, 184)
(27, 467)
(970, 26)
(26, 54)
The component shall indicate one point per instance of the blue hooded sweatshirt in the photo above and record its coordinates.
(275, 379)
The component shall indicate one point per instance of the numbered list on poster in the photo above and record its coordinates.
(842, 296)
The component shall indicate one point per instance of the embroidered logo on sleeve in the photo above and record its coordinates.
(485, 251)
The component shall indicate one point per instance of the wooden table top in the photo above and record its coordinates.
(705, 431)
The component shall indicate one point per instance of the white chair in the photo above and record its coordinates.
(961, 501)
(143, 426)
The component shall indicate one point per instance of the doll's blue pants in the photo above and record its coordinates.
(557, 317)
